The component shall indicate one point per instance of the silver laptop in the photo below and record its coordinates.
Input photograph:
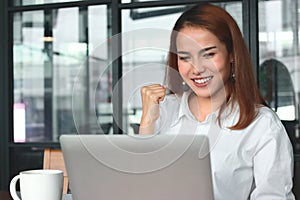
(123, 167)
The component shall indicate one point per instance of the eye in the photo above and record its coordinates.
(184, 58)
(209, 55)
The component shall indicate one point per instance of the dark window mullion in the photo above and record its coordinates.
(6, 102)
(116, 50)
(250, 30)
(48, 76)
(147, 4)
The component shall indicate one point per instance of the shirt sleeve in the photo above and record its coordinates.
(168, 114)
(273, 165)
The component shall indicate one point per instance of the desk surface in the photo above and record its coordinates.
(4, 195)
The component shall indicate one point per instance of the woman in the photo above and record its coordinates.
(251, 154)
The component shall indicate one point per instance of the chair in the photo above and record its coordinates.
(276, 85)
(53, 159)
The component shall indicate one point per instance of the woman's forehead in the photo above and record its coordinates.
(196, 38)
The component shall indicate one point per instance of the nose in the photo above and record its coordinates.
(198, 67)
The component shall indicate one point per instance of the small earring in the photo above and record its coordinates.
(185, 87)
(232, 71)
(233, 76)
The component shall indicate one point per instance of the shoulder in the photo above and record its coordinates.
(265, 124)
(268, 117)
(268, 125)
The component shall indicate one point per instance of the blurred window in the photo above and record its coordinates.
(56, 68)
(279, 59)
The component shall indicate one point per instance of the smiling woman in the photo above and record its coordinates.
(249, 147)
(203, 63)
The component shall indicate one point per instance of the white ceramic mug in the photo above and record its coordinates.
(41, 184)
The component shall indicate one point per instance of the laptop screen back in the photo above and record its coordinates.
(124, 167)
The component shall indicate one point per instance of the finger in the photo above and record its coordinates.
(156, 96)
(149, 90)
(157, 87)
(155, 93)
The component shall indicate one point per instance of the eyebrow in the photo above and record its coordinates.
(200, 52)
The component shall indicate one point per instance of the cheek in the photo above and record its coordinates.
(217, 64)
(221, 66)
(183, 69)
(224, 72)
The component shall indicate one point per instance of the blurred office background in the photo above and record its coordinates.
(65, 69)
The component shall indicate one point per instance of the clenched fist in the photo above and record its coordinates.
(152, 95)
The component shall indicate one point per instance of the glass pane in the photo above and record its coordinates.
(36, 2)
(55, 72)
(129, 1)
(279, 58)
(146, 34)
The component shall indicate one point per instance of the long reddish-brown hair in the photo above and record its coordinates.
(243, 89)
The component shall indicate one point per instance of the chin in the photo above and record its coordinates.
(206, 94)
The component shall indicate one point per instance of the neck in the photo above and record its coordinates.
(202, 107)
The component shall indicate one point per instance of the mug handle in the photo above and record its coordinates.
(12, 188)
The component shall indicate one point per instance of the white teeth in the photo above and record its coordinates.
(203, 80)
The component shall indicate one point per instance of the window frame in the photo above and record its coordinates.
(250, 30)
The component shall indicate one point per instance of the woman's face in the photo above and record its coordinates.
(203, 62)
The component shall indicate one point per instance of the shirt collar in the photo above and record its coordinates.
(229, 115)
(184, 105)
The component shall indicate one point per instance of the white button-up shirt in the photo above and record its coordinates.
(252, 163)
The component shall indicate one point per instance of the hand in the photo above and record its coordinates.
(152, 95)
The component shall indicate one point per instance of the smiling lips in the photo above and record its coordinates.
(202, 81)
